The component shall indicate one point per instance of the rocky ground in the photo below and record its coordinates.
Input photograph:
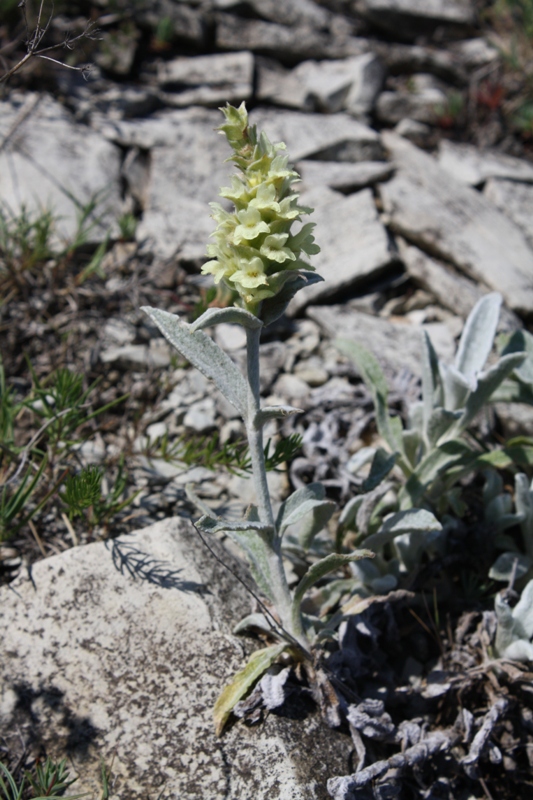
(405, 126)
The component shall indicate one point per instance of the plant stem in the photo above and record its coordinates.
(283, 601)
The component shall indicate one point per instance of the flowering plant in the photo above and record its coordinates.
(256, 253)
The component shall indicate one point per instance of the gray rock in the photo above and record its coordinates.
(201, 416)
(456, 223)
(327, 138)
(416, 132)
(451, 290)
(354, 244)
(297, 12)
(185, 171)
(133, 356)
(473, 166)
(407, 18)
(349, 84)
(397, 346)
(423, 103)
(290, 43)
(118, 650)
(49, 162)
(207, 80)
(342, 177)
(515, 200)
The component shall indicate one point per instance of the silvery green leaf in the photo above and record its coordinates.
(478, 335)
(513, 391)
(415, 417)
(382, 463)
(384, 584)
(412, 446)
(257, 622)
(323, 567)
(214, 316)
(275, 412)
(273, 307)
(455, 385)
(522, 341)
(510, 564)
(524, 506)
(300, 503)
(359, 459)
(493, 485)
(523, 611)
(389, 427)
(411, 546)
(255, 539)
(430, 377)
(347, 517)
(203, 354)
(412, 521)
(487, 383)
(195, 500)
(257, 664)
(439, 423)
(314, 522)
(368, 506)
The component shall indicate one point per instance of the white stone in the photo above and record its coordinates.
(330, 138)
(156, 355)
(48, 162)
(398, 15)
(473, 166)
(354, 243)
(201, 416)
(397, 346)
(422, 105)
(349, 84)
(207, 80)
(515, 200)
(343, 177)
(116, 652)
(457, 224)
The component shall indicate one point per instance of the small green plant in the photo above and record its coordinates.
(256, 254)
(210, 453)
(50, 779)
(33, 474)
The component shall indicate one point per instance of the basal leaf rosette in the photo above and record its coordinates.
(254, 251)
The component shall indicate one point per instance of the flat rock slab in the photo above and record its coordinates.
(451, 290)
(397, 346)
(515, 200)
(318, 136)
(406, 18)
(186, 169)
(118, 650)
(207, 80)
(454, 222)
(470, 165)
(49, 162)
(343, 177)
(354, 245)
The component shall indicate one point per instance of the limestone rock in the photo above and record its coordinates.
(291, 43)
(514, 199)
(423, 103)
(342, 177)
(454, 222)
(349, 84)
(451, 290)
(118, 650)
(397, 346)
(326, 138)
(473, 166)
(49, 162)
(207, 80)
(408, 18)
(297, 12)
(354, 244)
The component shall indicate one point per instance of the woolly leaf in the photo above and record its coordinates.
(203, 354)
(214, 316)
(321, 568)
(411, 521)
(478, 335)
(258, 663)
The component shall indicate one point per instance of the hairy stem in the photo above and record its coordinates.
(254, 429)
